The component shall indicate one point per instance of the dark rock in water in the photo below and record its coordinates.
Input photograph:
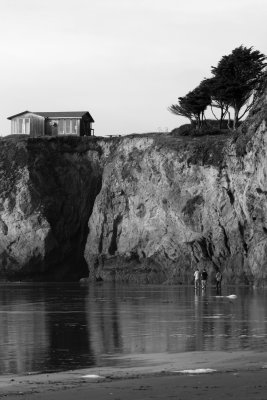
(141, 208)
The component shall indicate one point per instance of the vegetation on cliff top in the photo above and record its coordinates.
(235, 84)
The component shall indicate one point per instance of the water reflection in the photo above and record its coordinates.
(43, 328)
(60, 327)
(69, 337)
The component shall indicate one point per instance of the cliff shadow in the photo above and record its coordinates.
(65, 181)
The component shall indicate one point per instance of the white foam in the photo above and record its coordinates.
(197, 371)
(232, 296)
(93, 376)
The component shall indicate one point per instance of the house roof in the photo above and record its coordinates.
(60, 114)
(17, 115)
(63, 114)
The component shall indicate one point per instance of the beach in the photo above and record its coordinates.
(197, 375)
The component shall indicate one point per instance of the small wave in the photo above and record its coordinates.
(197, 371)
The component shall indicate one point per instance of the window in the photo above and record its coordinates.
(68, 126)
(22, 125)
(61, 126)
(27, 125)
(74, 125)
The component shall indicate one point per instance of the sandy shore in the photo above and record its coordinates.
(197, 375)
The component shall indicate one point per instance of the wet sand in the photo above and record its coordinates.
(197, 375)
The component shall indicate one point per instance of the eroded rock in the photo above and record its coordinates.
(169, 204)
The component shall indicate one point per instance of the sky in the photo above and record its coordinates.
(124, 61)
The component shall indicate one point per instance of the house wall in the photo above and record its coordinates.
(85, 126)
(35, 125)
(28, 123)
(62, 126)
(48, 128)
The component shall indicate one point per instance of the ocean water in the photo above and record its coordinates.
(57, 327)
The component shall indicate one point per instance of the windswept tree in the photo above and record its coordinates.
(198, 100)
(237, 79)
(182, 109)
(193, 105)
(218, 97)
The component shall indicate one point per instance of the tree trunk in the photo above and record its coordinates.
(221, 118)
(197, 121)
(229, 120)
(235, 122)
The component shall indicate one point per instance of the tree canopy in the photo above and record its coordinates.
(193, 105)
(235, 83)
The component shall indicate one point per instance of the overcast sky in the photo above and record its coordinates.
(124, 61)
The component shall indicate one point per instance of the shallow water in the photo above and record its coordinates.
(55, 327)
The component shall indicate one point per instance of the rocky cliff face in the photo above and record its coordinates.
(169, 204)
(141, 208)
(47, 192)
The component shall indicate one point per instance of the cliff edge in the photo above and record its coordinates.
(140, 208)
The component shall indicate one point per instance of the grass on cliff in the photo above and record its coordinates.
(200, 150)
(205, 147)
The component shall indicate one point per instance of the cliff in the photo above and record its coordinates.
(141, 208)
(169, 204)
(47, 192)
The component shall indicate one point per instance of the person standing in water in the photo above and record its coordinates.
(204, 278)
(197, 278)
